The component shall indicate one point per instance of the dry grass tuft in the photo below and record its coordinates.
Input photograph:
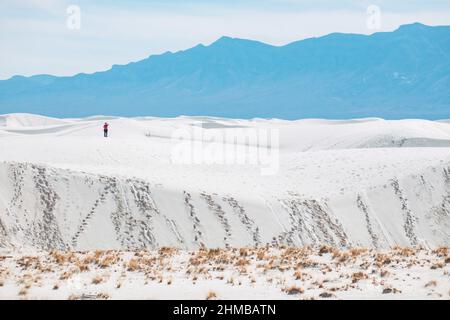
(298, 275)
(133, 265)
(242, 263)
(340, 256)
(357, 276)
(66, 275)
(294, 290)
(438, 265)
(243, 252)
(103, 296)
(23, 292)
(82, 266)
(441, 251)
(98, 254)
(59, 257)
(108, 261)
(97, 279)
(326, 249)
(326, 295)
(262, 254)
(355, 252)
(404, 251)
(211, 295)
(27, 262)
(382, 259)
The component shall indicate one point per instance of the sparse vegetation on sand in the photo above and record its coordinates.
(265, 272)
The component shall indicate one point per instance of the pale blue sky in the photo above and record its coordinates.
(34, 38)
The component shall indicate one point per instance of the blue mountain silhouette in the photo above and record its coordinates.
(399, 74)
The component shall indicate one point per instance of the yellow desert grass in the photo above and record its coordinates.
(97, 279)
(357, 276)
(323, 267)
(294, 290)
(211, 295)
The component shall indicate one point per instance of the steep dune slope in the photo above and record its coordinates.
(49, 208)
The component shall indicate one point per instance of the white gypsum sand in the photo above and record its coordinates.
(352, 183)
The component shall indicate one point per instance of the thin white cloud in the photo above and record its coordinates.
(25, 7)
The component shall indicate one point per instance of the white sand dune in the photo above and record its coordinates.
(364, 182)
(28, 120)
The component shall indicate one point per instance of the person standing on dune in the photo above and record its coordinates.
(105, 129)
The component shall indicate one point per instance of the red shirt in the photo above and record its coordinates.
(105, 126)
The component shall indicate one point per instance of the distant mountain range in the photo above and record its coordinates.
(399, 74)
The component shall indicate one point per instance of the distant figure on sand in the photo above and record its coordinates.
(105, 129)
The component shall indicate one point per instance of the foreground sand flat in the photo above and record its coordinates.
(244, 273)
